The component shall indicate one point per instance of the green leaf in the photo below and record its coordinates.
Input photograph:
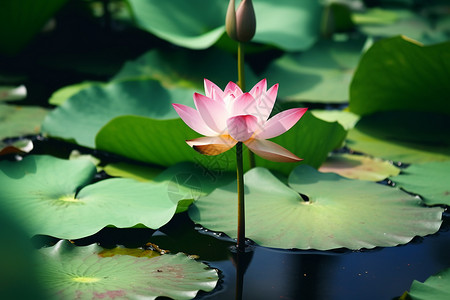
(289, 24)
(43, 190)
(82, 115)
(181, 67)
(20, 120)
(183, 23)
(412, 76)
(64, 93)
(21, 20)
(162, 142)
(359, 167)
(340, 212)
(435, 287)
(387, 23)
(70, 272)
(321, 74)
(343, 117)
(429, 180)
(408, 137)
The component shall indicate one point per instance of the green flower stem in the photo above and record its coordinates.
(241, 83)
(241, 205)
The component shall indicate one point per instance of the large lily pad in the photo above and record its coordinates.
(162, 142)
(70, 272)
(340, 212)
(289, 24)
(429, 180)
(359, 167)
(20, 120)
(398, 136)
(321, 74)
(435, 287)
(52, 197)
(411, 76)
(82, 115)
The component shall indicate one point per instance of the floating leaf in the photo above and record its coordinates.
(340, 212)
(321, 74)
(181, 67)
(162, 142)
(359, 167)
(44, 190)
(345, 118)
(20, 120)
(82, 115)
(64, 93)
(289, 24)
(399, 137)
(435, 287)
(70, 272)
(429, 180)
(412, 74)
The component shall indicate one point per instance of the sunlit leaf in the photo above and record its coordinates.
(162, 142)
(64, 93)
(82, 115)
(435, 287)
(53, 197)
(70, 272)
(20, 120)
(345, 118)
(400, 74)
(429, 180)
(321, 74)
(339, 212)
(359, 167)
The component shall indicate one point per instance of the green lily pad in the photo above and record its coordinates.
(359, 167)
(127, 170)
(340, 212)
(181, 67)
(429, 180)
(398, 136)
(70, 272)
(20, 120)
(412, 74)
(435, 287)
(82, 115)
(43, 190)
(162, 142)
(321, 74)
(289, 24)
(64, 93)
(345, 118)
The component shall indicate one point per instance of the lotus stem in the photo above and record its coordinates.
(241, 83)
(241, 205)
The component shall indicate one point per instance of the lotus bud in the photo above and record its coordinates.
(241, 25)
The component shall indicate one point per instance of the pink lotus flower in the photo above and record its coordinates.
(231, 116)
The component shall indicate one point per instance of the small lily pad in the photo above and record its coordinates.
(338, 213)
(43, 190)
(429, 180)
(435, 287)
(359, 167)
(20, 120)
(71, 272)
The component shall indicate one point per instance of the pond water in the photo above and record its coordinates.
(380, 273)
